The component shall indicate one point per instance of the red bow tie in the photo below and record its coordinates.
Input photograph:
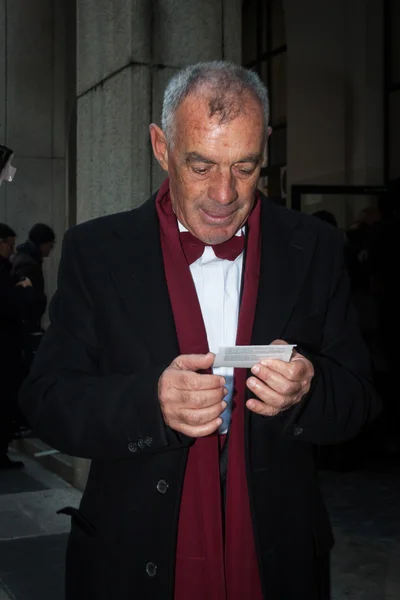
(193, 248)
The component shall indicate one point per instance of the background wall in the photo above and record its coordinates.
(335, 91)
(33, 116)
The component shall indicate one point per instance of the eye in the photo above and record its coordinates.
(201, 170)
(247, 171)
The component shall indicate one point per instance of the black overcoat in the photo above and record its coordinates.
(93, 393)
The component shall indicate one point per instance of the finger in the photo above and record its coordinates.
(201, 416)
(200, 430)
(202, 398)
(261, 409)
(276, 381)
(279, 343)
(188, 380)
(294, 370)
(269, 396)
(194, 362)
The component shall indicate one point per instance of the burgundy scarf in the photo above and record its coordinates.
(204, 571)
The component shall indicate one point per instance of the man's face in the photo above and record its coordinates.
(7, 247)
(213, 168)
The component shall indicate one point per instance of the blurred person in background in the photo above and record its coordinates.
(28, 262)
(384, 257)
(15, 297)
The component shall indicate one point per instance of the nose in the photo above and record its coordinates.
(223, 188)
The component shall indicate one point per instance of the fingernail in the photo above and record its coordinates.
(266, 362)
(222, 380)
(224, 405)
(255, 369)
(252, 382)
(226, 391)
(251, 404)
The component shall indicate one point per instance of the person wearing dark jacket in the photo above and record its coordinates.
(202, 481)
(15, 297)
(28, 262)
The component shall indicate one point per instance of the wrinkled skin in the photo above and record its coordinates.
(213, 168)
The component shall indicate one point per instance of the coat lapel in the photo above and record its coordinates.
(286, 253)
(138, 272)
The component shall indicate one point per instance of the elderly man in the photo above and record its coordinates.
(202, 482)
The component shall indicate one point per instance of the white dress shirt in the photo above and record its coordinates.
(217, 282)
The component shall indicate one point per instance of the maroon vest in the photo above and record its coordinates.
(206, 567)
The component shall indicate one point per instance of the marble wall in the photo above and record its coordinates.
(33, 116)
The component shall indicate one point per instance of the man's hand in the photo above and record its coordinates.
(25, 282)
(192, 402)
(278, 384)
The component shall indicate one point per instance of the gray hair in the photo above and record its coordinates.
(227, 84)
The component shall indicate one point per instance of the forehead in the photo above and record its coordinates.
(243, 125)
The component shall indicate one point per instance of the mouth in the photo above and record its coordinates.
(217, 219)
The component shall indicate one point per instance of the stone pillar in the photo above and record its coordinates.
(335, 91)
(32, 116)
(127, 50)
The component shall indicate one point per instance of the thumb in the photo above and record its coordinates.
(295, 354)
(194, 362)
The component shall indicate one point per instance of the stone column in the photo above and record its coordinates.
(127, 50)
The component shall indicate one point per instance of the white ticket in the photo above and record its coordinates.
(248, 356)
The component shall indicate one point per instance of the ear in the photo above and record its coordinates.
(265, 152)
(265, 155)
(160, 146)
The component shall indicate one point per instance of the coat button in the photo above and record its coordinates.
(162, 486)
(151, 569)
(148, 441)
(132, 447)
(140, 444)
(297, 430)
